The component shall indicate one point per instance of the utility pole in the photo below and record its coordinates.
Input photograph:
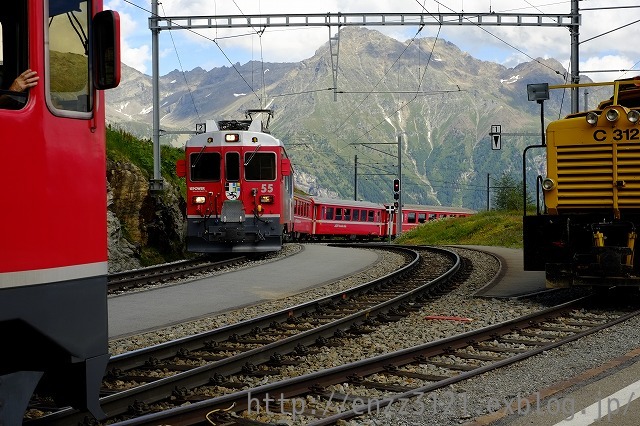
(156, 183)
(355, 178)
(399, 212)
(574, 30)
(488, 205)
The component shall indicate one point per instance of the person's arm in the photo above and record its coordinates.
(25, 81)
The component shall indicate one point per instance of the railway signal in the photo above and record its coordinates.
(396, 189)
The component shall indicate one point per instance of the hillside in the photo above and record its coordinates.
(441, 99)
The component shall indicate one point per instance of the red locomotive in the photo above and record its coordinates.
(316, 217)
(53, 255)
(239, 187)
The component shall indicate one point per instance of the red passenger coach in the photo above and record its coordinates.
(53, 228)
(414, 214)
(239, 187)
(317, 217)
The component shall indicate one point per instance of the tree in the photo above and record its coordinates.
(509, 194)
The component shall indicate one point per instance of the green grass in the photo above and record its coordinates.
(122, 146)
(493, 228)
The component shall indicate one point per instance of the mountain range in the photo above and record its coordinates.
(440, 99)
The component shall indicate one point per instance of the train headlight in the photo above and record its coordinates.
(199, 199)
(592, 118)
(548, 184)
(633, 116)
(231, 137)
(266, 199)
(612, 115)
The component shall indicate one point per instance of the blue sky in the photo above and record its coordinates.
(603, 45)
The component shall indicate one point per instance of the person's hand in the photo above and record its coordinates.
(25, 81)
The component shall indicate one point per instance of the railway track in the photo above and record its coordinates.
(128, 280)
(385, 384)
(140, 378)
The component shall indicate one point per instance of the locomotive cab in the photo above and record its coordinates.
(239, 187)
(53, 255)
(587, 233)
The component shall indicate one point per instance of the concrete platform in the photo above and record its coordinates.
(605, 395)
(311, 267)
(512, 280)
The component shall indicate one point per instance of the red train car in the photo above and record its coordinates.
(414, 215)
(239, 187)
(53, 254)
(317, 217)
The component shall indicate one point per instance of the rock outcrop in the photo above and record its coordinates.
(144, 228)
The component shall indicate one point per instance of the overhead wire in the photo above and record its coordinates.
(206, 38)
(503, 41)
(184, 75)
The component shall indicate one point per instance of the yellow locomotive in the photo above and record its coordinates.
(585, 234)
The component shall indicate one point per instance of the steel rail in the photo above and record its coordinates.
(197, 412)
(118, 404)
(138, 277)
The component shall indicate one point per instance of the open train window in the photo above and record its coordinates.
(205, 166)
(422, 217)
(13, 51)
(260, 166)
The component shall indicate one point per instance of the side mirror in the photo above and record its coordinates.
(181, 168)
(286, 167)
(106, 49)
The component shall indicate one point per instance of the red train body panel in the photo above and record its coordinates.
(239, 187)
(53, 254)
(316, 217)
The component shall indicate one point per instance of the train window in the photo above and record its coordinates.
(232, 166)
(422, 217)
(347, 214)
(69, 85)
(205, 166)
(338, 213)
(356, 215)
(13, 52)
(363, 215)
(329, 215)
(432, 216)
(259, 165)
(411, 217)
(371, 216)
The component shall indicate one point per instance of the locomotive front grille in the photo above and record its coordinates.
(598, 176)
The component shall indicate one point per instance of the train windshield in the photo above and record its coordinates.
(260, 166)
(232, 166)
(69, 83)
(205, 166)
